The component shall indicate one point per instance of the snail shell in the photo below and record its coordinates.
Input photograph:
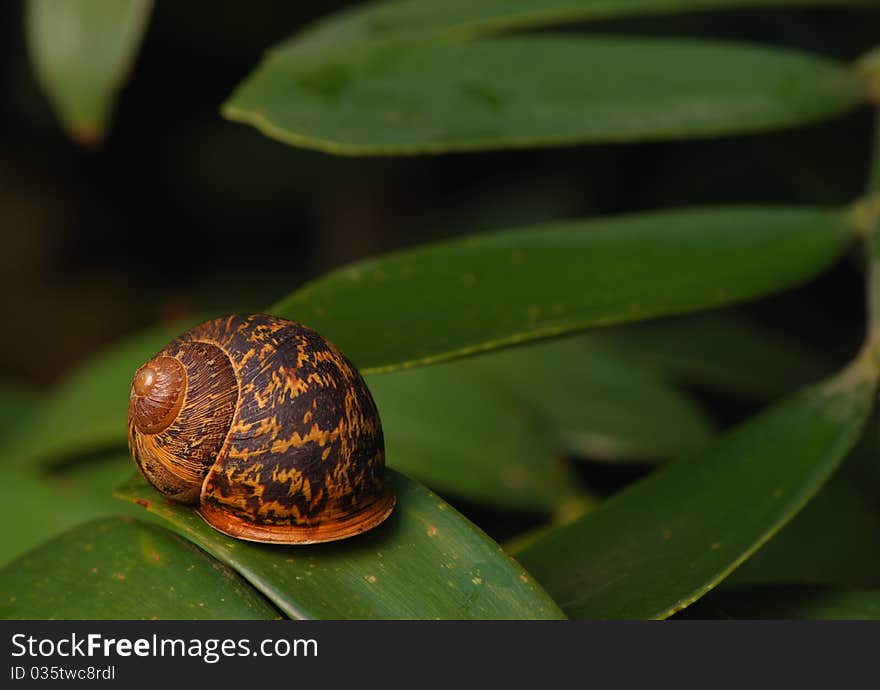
(266, 426)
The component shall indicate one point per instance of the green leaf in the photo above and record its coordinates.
(458, 297)
(721, 352)
(451, 428)
(832, 541)
(413, 96)
(788, 602)
(596, 404)
(425, 561)
(87, 412)
(665, 541)
(55, 501)
(124, 569)
(465, 18)
(82, 51)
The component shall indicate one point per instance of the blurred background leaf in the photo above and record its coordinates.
(424, 561)
(592, 401)
(82, 51)
(125, 569)
(722, 352)
(53, 501)
(453, 429)
(17, 404)
(415, 96)
(663, 542)
(87, 412)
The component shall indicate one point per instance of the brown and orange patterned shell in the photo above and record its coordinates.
(302, 457)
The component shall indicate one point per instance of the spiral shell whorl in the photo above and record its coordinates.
(157, 394)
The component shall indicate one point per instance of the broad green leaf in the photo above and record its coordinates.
(451, 428)
(458, 297)
(466, 18)
(832, 541)
(665, 541)
(120, 568)
(719, 352)
(413, 96)
(82, 52)
(597, 404)
(55, 501)
(425, 561)
(87, 412)
(788, 602)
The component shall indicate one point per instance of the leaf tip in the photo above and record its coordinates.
(87, 135)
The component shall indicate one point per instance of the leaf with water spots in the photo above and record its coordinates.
(425, 561)
(120, 568)
(666, 540)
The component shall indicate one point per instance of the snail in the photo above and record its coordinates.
(266, 426)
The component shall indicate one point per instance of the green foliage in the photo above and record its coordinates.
(121, 568)
(664, 541)
(431, 97)
(425, 561)
(56, 500)
(742, 524)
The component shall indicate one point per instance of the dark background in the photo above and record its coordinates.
(181, 212)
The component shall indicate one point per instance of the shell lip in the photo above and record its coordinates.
(360, 521)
